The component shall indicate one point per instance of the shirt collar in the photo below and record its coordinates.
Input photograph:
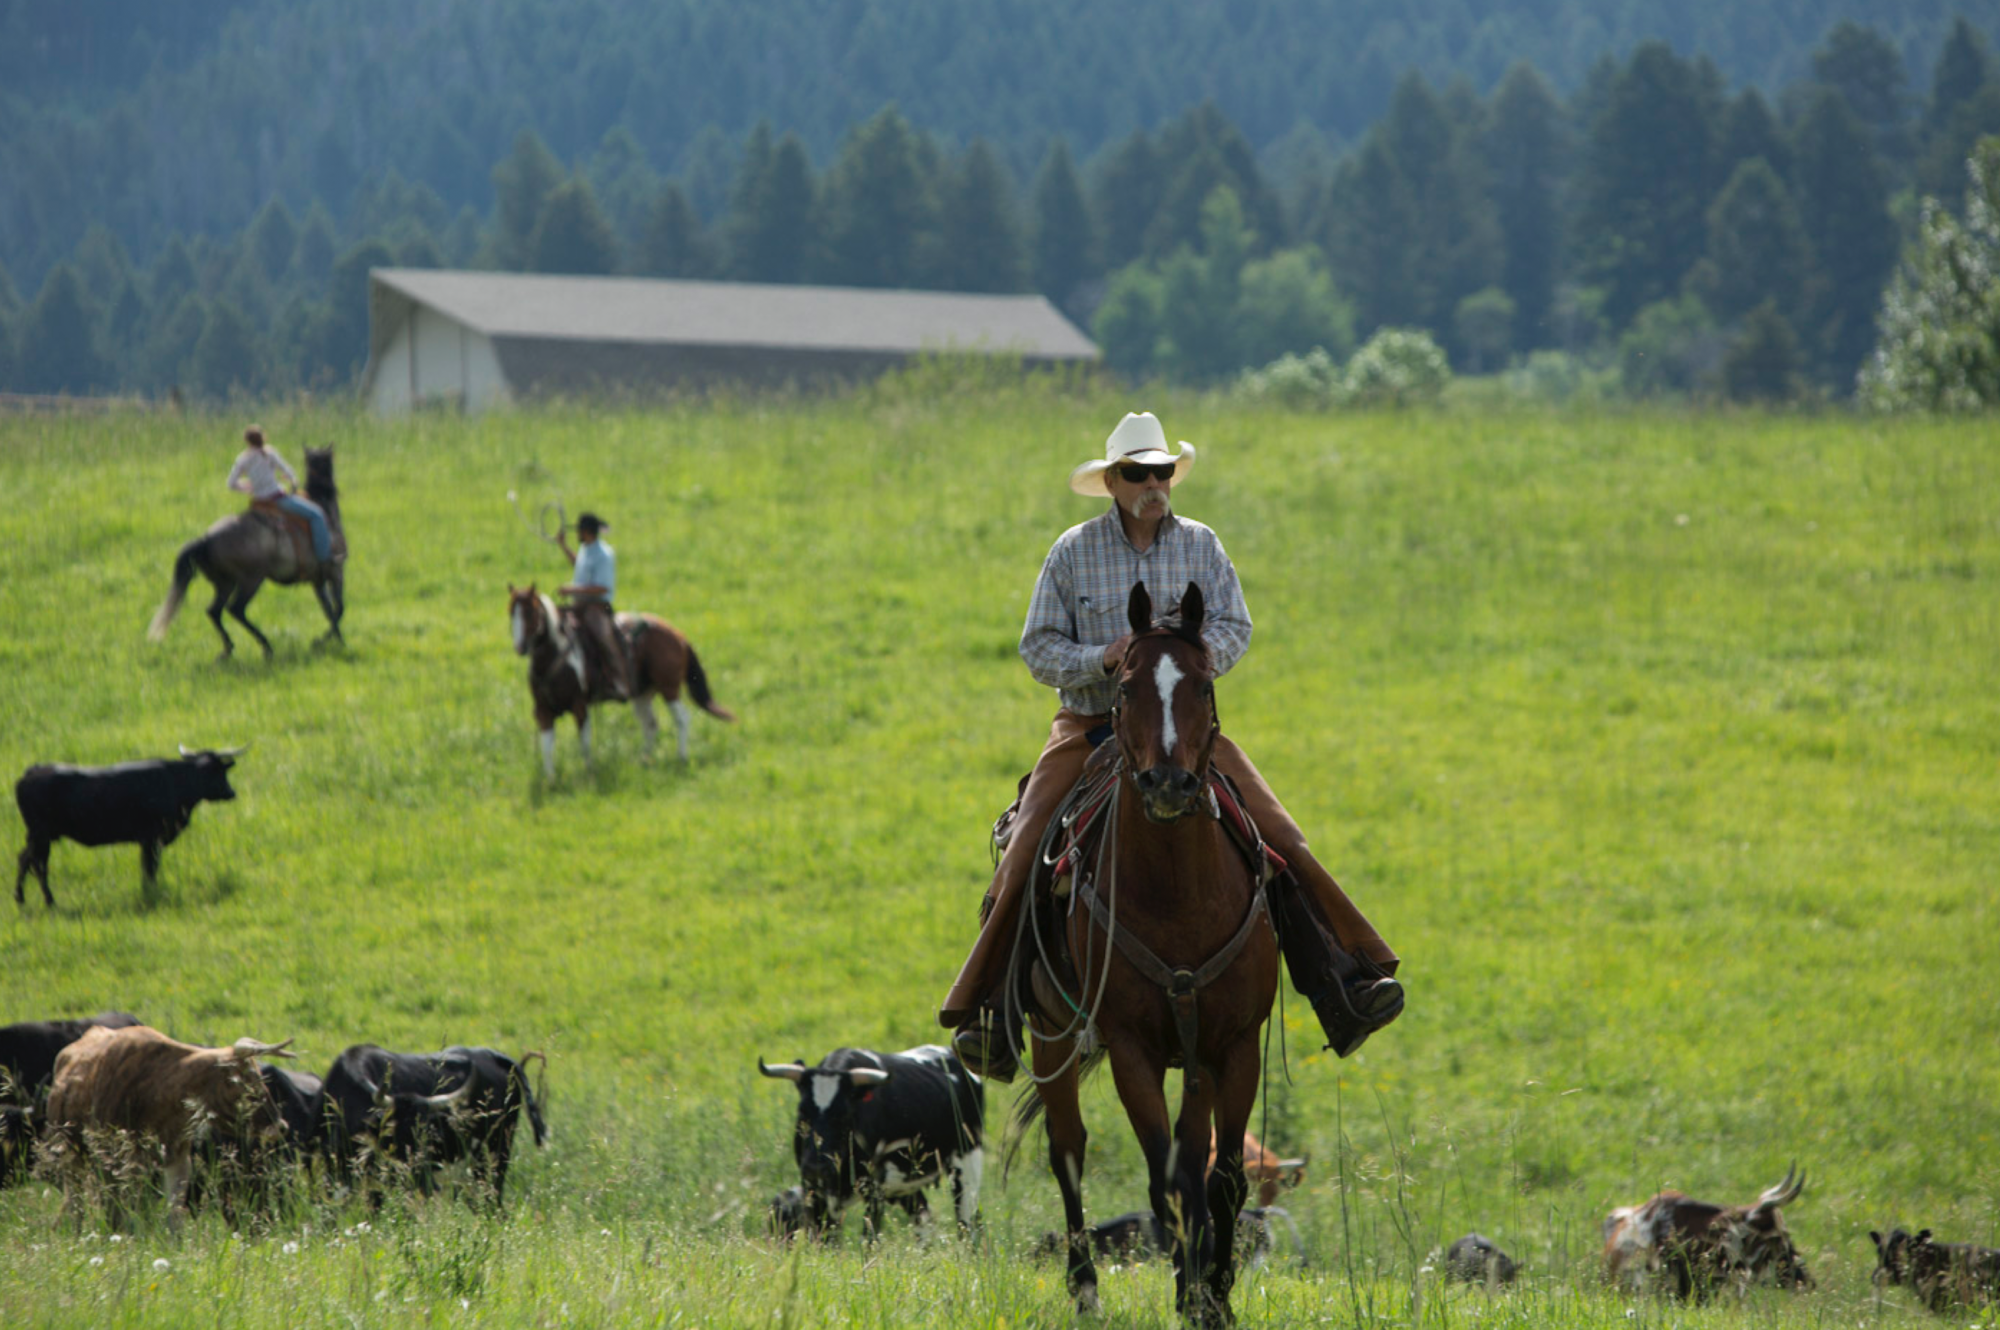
(1167, 524)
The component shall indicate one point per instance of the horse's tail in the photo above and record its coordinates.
(1028, 1108)
(697, 682)
(184, 570)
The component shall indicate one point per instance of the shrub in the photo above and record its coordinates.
(1397, 367)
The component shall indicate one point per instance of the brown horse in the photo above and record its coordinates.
(1174, 961)
(661, 656)
(241, 553)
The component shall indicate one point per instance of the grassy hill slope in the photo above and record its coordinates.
(1664, 750)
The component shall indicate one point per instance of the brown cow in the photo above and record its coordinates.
(1270, 1173)
(138, 1081)
(1943, 1274)
(1696, 1245)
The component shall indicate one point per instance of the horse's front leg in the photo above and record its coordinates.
(1063, 1117)
(545, 737)
(1175, 1162)
(1235, 1099)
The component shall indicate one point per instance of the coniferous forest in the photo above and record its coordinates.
(1684, 198)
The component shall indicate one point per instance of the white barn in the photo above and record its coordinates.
(477, 340)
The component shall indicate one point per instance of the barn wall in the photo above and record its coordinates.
(433, 360)
(546, 367)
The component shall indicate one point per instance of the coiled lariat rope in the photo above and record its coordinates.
(1081, 805)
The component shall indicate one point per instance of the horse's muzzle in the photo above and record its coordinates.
(1168, 793)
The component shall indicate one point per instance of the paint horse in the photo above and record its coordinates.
(662, 660)
(1176, 964)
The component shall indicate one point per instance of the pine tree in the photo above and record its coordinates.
(979, 236)
(1844, 206)
(623, 181)
(59, 339)
(1962, 69)
(1204, 152)
(522, 184)
(881, 215)
(774, 225)
(169, 351)
(1125, 192)
(746, 196)
(1527, 152)
(571, 235)
(1201, 292)
(1866, 69)
(673, 242)
(1127, 323)
(1762, 364)
(1644, 183)
(1750, 130)
(226, 357)
(101, 263)
(273, 236)
(1369, 214)
(1064, 243)
(341, 342)
(313, 255)
(1757, 243)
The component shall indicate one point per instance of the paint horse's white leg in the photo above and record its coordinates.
(583, 739)
(680, 710)
(649, 724)
(548, 741)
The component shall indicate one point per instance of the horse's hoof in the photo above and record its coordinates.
(1086, 1299)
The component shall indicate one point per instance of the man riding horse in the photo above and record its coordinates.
(1074, 641)
(593, 581)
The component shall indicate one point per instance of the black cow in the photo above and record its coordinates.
(301, 1100)
(424, 1109)
(17, 1142)
(883, 1127)
(1138, 1235)
(28, 1052)
(1475, 1260)
(144, 802)
(1943, 1274)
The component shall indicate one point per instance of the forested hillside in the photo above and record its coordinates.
(195, 193)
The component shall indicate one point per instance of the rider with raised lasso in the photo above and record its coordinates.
(1074, 641)
(593, 581)
(256, 474)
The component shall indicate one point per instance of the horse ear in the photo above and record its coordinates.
(1193, 608)
(511, 592)
(1139, 609)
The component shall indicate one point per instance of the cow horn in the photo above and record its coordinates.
(247, 1048)
(452, 1100)
(237, 751)
(1785, 1192)
(784, 1071)
(867, 1076)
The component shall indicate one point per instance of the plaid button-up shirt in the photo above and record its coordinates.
(1079, 603)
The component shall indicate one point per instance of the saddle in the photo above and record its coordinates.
(1044, 971)
(288, 523)
(628, 628)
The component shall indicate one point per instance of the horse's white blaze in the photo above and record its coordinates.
(520, 628)
(1166, 675)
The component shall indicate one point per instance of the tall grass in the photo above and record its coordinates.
(1665, 749)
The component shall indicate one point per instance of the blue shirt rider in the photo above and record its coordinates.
(594, 579)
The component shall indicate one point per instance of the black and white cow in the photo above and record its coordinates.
(429, 1108)
(28, 1051)
(881, 1127)
(144, 803)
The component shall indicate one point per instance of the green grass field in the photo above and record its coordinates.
(1665, 749)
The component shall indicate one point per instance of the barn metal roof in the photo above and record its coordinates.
(737, 314)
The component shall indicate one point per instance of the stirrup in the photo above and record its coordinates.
(1350, 1013)
(985, 1048)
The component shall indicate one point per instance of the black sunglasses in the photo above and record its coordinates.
(1135, 473)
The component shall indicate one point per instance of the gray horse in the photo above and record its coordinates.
(241, 553)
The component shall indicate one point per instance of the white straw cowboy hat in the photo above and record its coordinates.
(1140, 439)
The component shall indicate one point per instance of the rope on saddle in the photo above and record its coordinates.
(1182, 984)
(1091, 798)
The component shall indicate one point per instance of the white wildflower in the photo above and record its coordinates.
(97, 1260)
(290, 1249)
(160, 1264)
